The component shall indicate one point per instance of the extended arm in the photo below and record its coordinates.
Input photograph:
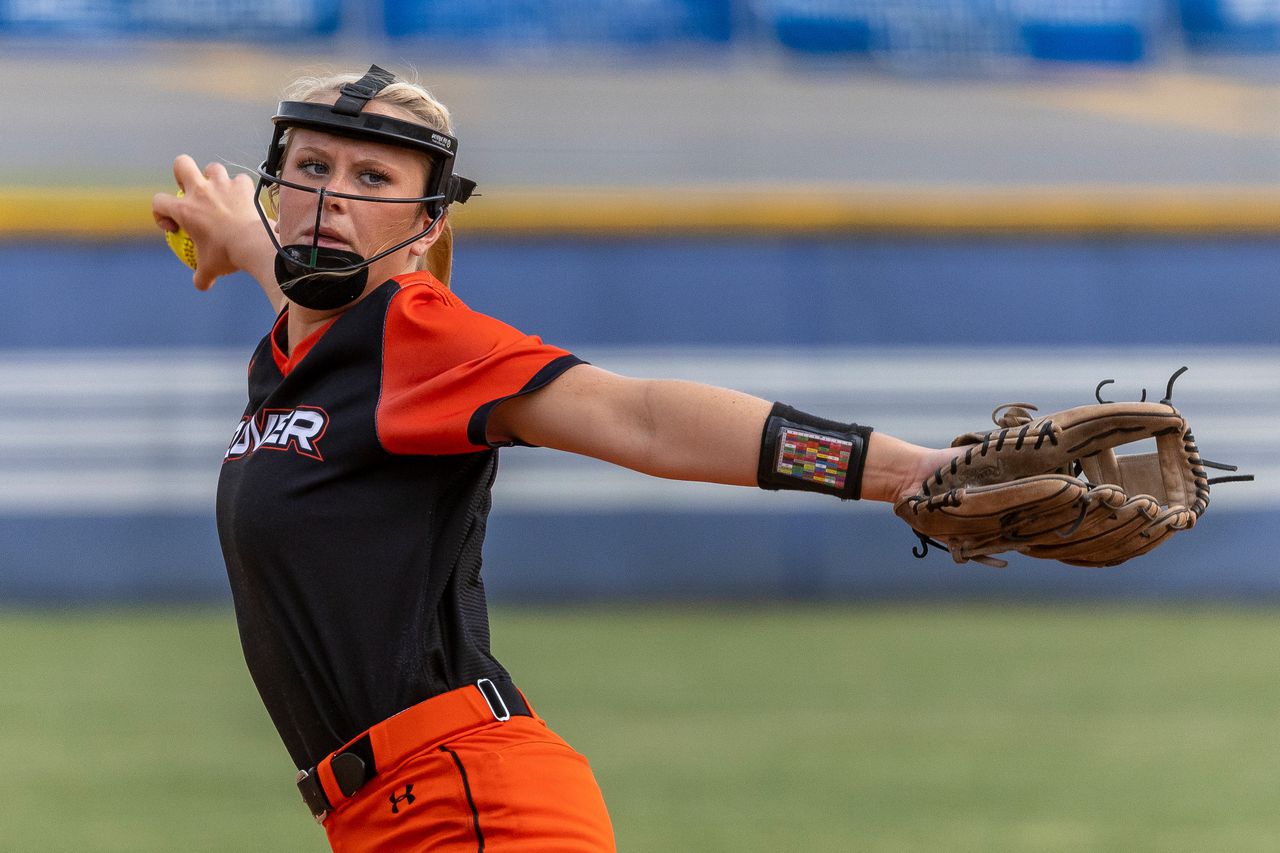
(679, 430)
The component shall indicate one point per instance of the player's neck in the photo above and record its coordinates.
(304, 322)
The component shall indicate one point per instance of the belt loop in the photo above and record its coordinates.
(489, 691)
(313, 794)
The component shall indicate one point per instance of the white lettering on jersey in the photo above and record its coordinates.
(297, 429)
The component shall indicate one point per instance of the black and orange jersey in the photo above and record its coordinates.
(352, 507)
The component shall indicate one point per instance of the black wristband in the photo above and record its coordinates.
(812, 454)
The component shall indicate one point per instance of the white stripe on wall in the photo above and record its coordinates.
(111, 432)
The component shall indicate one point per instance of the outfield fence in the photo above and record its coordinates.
(120, 387)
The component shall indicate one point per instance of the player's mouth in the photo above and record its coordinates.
(327, 239)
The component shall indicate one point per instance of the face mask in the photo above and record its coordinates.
(323, 278)
(301, 276)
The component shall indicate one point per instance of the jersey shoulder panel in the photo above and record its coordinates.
(442, 363)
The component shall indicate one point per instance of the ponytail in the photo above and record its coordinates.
(439, 258)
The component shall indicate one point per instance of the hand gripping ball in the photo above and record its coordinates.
(180, 242)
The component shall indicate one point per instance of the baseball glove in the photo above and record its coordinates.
(1054, 487)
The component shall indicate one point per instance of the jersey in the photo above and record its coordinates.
(352, 505)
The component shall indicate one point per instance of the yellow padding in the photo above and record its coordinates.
(92, 212)
(125, 212)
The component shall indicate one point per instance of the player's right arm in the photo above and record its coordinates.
(681, 430)
(217, 211)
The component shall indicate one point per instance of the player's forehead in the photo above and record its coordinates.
(334, 145)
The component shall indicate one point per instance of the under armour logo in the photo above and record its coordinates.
(407, 799)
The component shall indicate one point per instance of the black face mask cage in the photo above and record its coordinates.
(265, 179)
(346, 118)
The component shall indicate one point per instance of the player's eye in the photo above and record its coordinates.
(375, 178)
(313, 167)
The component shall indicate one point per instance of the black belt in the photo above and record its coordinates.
(433, 720)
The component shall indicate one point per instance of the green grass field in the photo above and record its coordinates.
(710, 729)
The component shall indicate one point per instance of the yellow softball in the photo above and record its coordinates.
(180, 242)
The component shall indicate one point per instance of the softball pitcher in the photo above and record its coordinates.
(354, 493)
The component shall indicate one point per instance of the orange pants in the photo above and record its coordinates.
(495, 786)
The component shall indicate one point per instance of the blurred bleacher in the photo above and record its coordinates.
(924, 30)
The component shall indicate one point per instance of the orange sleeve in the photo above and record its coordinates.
(444, 368)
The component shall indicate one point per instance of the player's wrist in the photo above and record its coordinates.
(896, 468)
(804, 452)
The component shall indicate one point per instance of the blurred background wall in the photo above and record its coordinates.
(844, 205)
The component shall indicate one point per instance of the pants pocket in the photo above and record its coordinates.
(531, 792)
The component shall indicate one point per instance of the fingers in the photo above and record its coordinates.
(216, 172)
(202, 280)
(185, 171)
(161, 208)
(165, 206)
(243, 183)
(189, 177)
(169, 211)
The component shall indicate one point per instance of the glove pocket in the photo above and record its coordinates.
(982, 520)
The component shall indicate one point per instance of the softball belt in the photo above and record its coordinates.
(342, 773)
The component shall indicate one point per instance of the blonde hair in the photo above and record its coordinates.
(423, 107)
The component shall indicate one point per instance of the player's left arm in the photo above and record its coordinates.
(680, 430)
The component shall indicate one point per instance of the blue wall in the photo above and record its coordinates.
(872, 290)
(80, 307)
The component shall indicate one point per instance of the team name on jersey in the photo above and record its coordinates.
(297, 429)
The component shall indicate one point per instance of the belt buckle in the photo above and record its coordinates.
(312, 806)
(490, 696)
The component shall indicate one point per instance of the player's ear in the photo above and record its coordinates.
(423, 244)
